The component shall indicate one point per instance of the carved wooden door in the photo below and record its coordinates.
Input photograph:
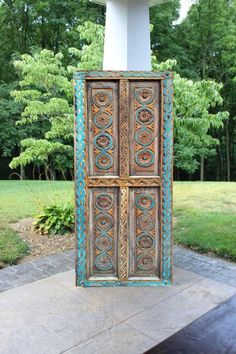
(123, 178)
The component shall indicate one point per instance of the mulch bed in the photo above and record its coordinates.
(41, 245)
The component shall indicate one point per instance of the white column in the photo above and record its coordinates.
(127, 35)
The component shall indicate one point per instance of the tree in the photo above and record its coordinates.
(163, 37)
(207, 37)
(46, 92)
(44, 24)
(193, 120)
(10, 135)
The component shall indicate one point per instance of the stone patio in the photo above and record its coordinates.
(213, 268)
(50, 315)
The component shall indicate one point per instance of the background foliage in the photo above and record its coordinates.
(44, 42)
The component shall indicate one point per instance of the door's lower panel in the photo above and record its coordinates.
(103, 232)
(144, 233)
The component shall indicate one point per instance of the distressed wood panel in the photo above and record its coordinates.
(124, 145)
(103, 128)
(103, 232)
(144, 233)
(145, 128)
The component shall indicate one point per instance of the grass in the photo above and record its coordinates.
(205, 217)
(205, 214)
(11, 246)
(20, 199)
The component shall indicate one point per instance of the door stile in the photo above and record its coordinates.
(80, 178)
(167, 180)
(124, 128)
(161, 147)
(123, 237)
(124, 173)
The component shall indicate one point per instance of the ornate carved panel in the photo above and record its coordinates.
(103, 231)
(102, 109)
(123, 158)
(144, 232)
(145, 128)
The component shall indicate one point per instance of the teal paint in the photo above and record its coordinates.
(81, 273)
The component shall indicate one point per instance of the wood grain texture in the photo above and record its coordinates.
(123, 128)
(126, 178)
(103, 128)
(144, 232)
(103, 231)
(124, 182)
(123, 241)
(145, 128)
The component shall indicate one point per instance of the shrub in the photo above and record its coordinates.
(54, 220)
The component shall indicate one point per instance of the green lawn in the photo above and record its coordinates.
(205, 217)
(205, 213)
(20, 199)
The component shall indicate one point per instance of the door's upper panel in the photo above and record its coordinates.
(145, 125)
(102, 108)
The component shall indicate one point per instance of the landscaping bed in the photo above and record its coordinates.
(205, 218)
(41, 245)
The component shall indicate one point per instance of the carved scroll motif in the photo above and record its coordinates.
(103, 232)
(80, 181)
(125, 182)
(146, 228)
(124, 145)
(123, 178)
(144, 133)
(102, 110)
(123, 266)
(167, 197)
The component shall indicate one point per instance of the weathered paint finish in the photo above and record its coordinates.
(123, 161)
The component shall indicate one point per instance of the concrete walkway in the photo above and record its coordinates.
(52, 316)
(213, 268)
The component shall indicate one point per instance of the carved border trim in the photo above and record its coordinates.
(125, 74)
(80, 186)
(123, 242)
(167, 173)
(124, 144)
(125, 182)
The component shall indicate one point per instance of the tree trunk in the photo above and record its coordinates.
(227, 150)
(221, 163)
(46, 173)
(22, 169)
(202, 169)
(22, 172)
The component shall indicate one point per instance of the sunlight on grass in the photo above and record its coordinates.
(11, 246)
(205, 212)
(205, 217)
(208, 196)
(19, 199)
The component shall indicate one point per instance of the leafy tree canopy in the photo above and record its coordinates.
(45, 90)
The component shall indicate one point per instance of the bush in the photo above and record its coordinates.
(54, 220)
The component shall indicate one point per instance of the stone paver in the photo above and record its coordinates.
(52, 316)
(209, 267)
(12, 277)
(213, 268)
